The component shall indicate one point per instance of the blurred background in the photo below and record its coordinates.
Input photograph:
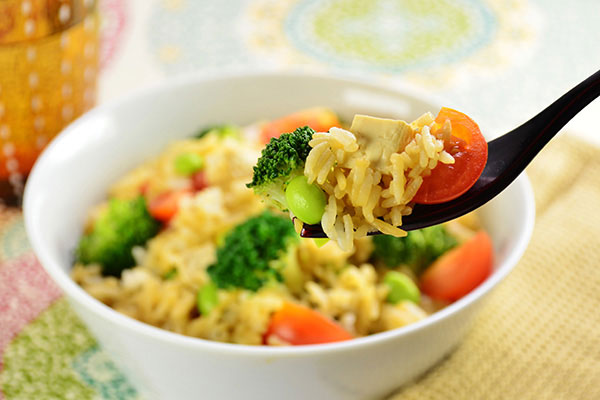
(500, 61)
(503, 60)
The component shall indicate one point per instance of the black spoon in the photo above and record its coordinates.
(508, 156)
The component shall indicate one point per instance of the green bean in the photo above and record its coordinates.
(188, 163)
(207, 298)
(401, 288)
(306, 201)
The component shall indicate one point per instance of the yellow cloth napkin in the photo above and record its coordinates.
(538, 336)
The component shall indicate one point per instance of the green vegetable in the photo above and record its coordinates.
(170, 274)
(220, 238)
(281, 161)
(306, 201)
(125, 224)
(188, 163)
(401, 288)
(320, 242)
(417, 250)
(245, 258)
(223, 130)
(207, 298)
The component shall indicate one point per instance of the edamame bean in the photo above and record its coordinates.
(207, 298)
(306, 201)
(188, 163)
(401, 288)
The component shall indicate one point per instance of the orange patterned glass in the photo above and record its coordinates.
(48, 66)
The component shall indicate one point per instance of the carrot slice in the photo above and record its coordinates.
(469, 149)
(164, 206)
(460, 270)
(298, 325)
(320, 119)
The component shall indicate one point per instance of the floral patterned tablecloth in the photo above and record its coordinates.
(503, 60)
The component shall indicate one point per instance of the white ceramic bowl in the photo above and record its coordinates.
(76, 169)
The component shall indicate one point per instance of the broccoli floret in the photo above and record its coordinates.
(417, 250)
(245, 260)
(281, 160)
(222, 131)
(125, 224)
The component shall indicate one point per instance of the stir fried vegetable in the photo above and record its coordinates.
(460, 270)
(318, 119)
(281, 161)
(124, 224)
(297, 325)
(245, 258)
(417, 250)
(469, 149)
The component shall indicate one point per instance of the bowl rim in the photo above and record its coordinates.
(77, 294)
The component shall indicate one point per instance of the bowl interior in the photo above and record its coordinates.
(74, 172)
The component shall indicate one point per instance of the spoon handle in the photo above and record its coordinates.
(508, 156)
(534, 134)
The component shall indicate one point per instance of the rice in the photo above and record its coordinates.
(380, 185)
(363, 195)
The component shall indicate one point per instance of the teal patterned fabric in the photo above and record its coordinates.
(55, 357)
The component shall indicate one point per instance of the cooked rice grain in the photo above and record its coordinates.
(358, 186)
(336, 280)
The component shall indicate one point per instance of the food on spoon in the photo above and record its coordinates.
(210, 260)
(469, 150)
(368, 177)
(281, 161)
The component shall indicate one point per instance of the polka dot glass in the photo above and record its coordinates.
(48, 66)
